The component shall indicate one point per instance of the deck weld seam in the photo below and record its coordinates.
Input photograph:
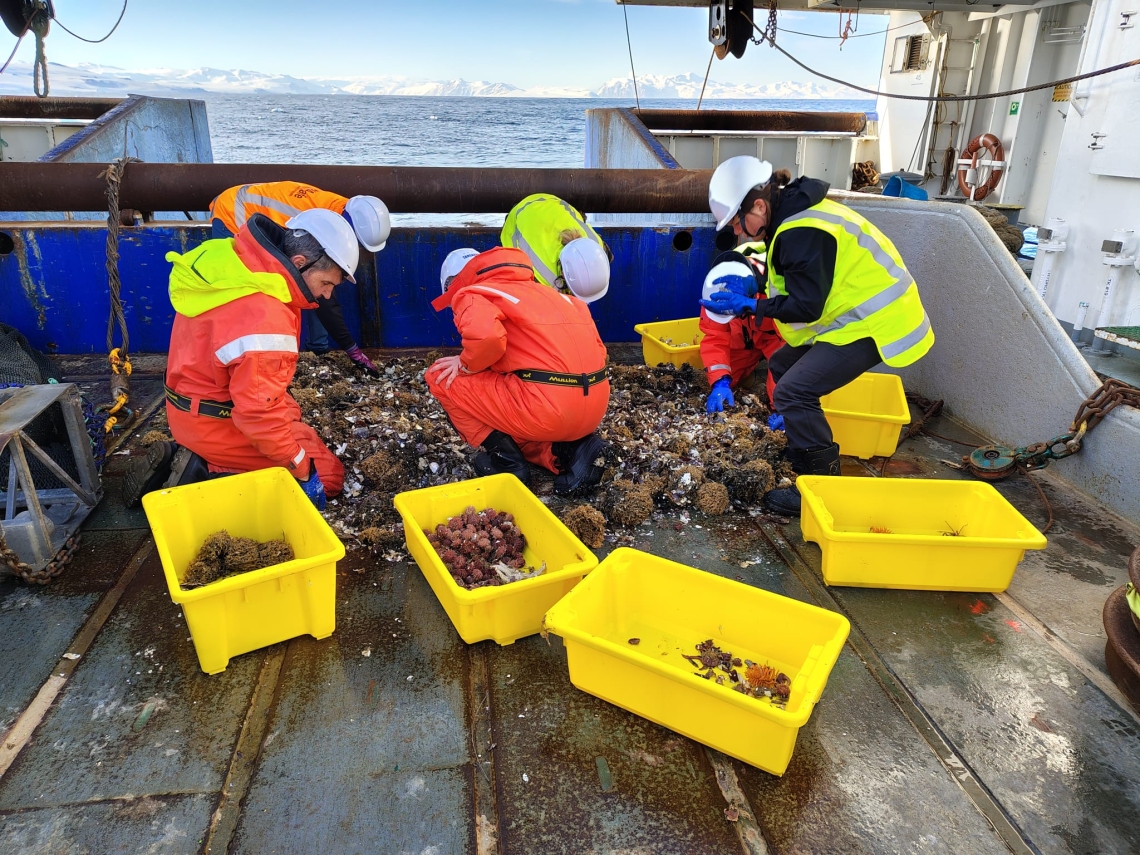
(21, 732)
(482, 737)
(960, 771)
(1068, 653)
(747, 828)
(246, 754)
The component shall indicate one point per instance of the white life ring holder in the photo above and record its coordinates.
(968, 165)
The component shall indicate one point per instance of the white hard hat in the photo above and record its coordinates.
(334, 234)
(725, 268)
(586, 269)
(731, 182)
(454, 263)
(370, 220)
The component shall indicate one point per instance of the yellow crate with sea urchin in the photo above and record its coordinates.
(671, 342)
(914, 534)
(507, 612)
(251, 610)
(630, 622)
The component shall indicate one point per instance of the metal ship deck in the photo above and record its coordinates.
(951, 723)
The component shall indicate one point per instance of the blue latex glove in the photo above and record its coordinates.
(357, 355)
(745, 285)
(729, 303)
(720, 396)
(775, 422)
(314, 489)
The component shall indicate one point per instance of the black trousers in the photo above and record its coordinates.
(805, 374)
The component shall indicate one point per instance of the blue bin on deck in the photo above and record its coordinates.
(897, 187)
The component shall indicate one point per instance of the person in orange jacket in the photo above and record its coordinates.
(530, 385)
(732, 347)
(233, 353)
(281, 200)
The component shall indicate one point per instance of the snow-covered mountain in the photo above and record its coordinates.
(689, 86)
(105, 80)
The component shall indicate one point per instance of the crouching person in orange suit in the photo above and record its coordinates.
(530, 385)
(233, 353)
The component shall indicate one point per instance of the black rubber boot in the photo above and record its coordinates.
(147, 473)
(186, 467)
(501, 454)
(824, 461)
(578, 462)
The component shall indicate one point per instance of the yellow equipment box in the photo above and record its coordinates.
(866, 415)
(507, 612)
(672, 342)
(627, 626)
(914, 534)
(251, 610)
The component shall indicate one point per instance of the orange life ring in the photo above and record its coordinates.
(969, 161)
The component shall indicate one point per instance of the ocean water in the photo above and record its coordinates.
(409, 131)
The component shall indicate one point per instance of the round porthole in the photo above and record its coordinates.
(682, 241)
(7, 245)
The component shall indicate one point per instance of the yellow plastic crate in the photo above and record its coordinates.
(655, 350)
(251, 610)
(866, 415)
(933, 535)
(507, 612)
(671, 608)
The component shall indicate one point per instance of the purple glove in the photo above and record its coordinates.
(357, 356)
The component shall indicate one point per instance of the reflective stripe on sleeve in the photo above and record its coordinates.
(255, 343)
(719, 368)
(495, 291)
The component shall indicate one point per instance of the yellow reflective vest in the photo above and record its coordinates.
(872, 295)
(535, 226)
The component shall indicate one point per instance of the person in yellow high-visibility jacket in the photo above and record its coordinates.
(564, 249)
(280, 201)
(837, 289)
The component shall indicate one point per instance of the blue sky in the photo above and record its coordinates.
(524, 42)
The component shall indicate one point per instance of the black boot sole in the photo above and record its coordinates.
(146, 474)
(573, 484)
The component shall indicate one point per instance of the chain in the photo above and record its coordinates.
(38, 577)
(1103, 401)
(994, 462)
(768, 34)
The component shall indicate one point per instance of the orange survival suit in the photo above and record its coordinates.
(233, 353)
(737, 347)
(278, 200)
(510, 323)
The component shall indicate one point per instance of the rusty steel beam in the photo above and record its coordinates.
(782, 121)
(405, 189)
(30, 107)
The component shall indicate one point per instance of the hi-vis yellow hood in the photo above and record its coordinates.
(212, 275)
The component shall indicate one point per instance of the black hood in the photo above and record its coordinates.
(797, 196)
(271, 237)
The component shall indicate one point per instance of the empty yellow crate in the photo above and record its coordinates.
(507, 612)
(661, 342)
(251, 610)
(866, 415)
(671, 608)
(914, 534)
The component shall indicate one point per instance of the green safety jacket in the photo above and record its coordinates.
(872, 294)
(535, 226)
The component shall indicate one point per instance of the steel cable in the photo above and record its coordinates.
(941, 98)
(95, 41)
